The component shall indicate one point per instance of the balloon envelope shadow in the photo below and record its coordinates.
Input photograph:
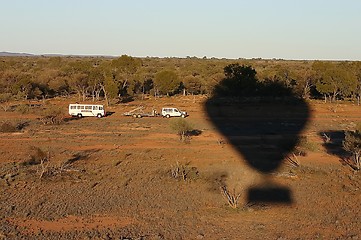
(264, 130)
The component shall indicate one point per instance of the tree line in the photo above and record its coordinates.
(111, 79)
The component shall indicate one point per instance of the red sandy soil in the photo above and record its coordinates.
(110, 178)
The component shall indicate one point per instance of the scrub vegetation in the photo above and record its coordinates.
(126, 77)
(119, 177)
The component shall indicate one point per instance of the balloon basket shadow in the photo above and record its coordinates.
(270, 195)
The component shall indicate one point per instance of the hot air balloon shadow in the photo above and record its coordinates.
(262, 121)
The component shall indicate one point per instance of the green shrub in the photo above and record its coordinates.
(352, 144)
(304, 146)
(182, 127)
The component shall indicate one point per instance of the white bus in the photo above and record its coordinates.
(86, 110)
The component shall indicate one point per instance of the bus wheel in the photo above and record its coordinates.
(99, 115)
(79, 115)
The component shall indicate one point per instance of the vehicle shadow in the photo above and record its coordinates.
(109, 114)
(70, 119)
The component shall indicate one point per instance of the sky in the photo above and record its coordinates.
(282, 29)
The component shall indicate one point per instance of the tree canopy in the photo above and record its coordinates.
(124, 76)
(239, 81)
(167, 82)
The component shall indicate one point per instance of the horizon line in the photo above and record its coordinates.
(24, 54)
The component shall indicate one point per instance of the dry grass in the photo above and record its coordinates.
(232, 197)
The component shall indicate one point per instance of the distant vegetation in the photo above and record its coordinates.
(113, 79)
(352, 144)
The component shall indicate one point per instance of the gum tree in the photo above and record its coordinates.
(239, 81)
(123, 69)
(167, 82)
(334, 80)
(352, 144)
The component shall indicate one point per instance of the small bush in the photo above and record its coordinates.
(183, 128)
(52, 115)
(183, 172)
(7, 127)
(352, 144)
(41, 158)
(304, 146)
(37, 156)
(5, 101)
(5, 97)
(293, 161)
(232, 197)
(23, 108)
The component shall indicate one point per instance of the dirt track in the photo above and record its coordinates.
(112, 180)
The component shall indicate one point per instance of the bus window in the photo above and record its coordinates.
(95, 107)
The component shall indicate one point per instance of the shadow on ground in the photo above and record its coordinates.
(262, 120)
(333, 143)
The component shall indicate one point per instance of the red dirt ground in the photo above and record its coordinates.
(110, 178)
